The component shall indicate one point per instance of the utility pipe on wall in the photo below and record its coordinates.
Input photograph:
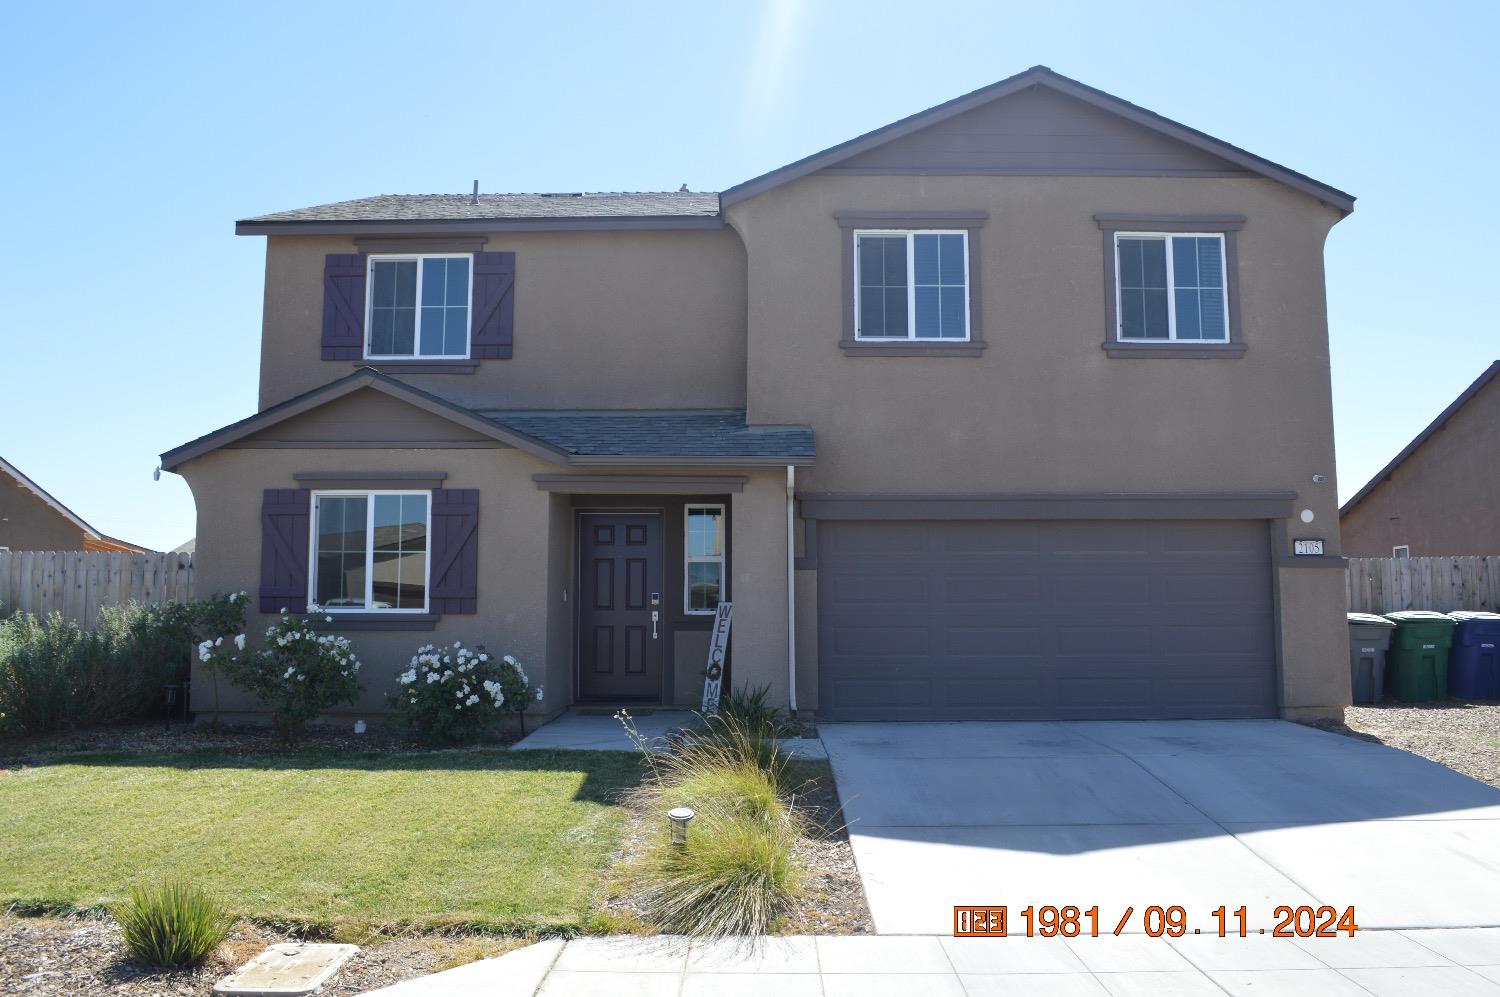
(791, 587)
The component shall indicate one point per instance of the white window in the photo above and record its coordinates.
(911, 285)
(418, 306)
(1401, 553)
(703, 557)
(369, 551)
(1171, 287)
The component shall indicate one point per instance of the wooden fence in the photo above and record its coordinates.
(1443, 584)
(76, 583)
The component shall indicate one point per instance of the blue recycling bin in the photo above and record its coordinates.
(1474, 661)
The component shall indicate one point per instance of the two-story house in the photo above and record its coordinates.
(1013, 408)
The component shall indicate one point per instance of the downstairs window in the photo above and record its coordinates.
(370, 551)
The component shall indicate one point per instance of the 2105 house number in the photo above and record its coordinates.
(1157, 922)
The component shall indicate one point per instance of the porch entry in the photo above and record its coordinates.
(621, 606)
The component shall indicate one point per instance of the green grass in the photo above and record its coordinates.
(493, 840)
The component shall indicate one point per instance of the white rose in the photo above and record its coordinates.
(239, 642)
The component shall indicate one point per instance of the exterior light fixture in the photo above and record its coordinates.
(1307, 516)
(680, 818)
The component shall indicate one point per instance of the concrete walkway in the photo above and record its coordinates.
(1191, 813)
(602, 732)
(1452, 963)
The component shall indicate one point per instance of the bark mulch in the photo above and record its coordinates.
(1465, 736)
(68, 957)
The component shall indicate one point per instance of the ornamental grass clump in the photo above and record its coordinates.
(174, 924)
(737, 874)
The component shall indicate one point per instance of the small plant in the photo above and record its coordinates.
(299, 674)
(174, 924)
(451, 693)
(518, 690)
(751, 707)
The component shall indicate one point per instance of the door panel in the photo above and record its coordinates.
(1044, 619)
(620, 570)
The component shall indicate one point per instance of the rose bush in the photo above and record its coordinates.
(457, 693)
(518, 690)
(297, 675)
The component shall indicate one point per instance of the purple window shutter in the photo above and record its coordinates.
(343, 306)
(455, 551)
(285, 515)
(494, 306)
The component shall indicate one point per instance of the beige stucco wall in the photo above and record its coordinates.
(1442, 500)
(515, 597)
(1044, 409)
(526, 571)
(602, 320)
(27, 522)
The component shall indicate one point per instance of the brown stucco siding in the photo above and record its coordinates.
(1443, 499)
(602, 320)
(1043, 408)
(27, 522)
(526, 567)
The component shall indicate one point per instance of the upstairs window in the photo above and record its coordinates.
(1171, 287)
(911, 285)
(370, 551)
(418, 307)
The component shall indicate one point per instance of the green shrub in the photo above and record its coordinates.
(173, 924)
(751, 707)
(452, 693)
(55, 674)
(297, 675)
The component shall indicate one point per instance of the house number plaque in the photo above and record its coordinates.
(1307, 548)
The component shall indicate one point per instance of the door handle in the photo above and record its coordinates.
(655, 615)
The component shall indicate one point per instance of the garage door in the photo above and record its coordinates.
(1067, 619)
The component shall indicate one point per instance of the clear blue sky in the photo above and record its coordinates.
(135, 134)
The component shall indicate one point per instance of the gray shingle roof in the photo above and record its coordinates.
(456, 207)
(678, 433)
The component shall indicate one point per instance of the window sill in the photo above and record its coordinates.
(383, 621)
(1177, 351)
(915, 348)
(421, 366)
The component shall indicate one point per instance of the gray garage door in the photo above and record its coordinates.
(1027, 620)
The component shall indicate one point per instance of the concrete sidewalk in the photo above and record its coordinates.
(602, 732)
(1452, 962)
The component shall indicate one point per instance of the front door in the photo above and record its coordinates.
(619, 606)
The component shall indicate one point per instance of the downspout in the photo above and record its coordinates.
(791, 586)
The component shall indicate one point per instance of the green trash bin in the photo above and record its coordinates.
(1417, 663)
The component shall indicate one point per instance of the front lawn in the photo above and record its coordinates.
(497, 840)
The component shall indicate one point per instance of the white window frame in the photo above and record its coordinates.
(417, 336)
(1167, 237)
(689, 558)
(911, 286)
(312, 550)
(1396, 552)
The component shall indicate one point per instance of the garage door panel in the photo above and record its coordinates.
(1114, 619)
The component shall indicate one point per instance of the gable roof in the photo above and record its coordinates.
(102, 541)
(1441, 422)
(567, 437)
(423, 213)
(1033, 77)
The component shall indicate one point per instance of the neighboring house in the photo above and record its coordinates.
(1441, 495)
(1012, 408)
(31, 519)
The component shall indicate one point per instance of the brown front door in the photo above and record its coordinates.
(619, 591)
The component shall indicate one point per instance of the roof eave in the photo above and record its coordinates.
(686, 460)
(448, 226)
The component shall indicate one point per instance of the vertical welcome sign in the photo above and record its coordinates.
(718, 645)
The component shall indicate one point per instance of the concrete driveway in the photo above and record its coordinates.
(1131, 814)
